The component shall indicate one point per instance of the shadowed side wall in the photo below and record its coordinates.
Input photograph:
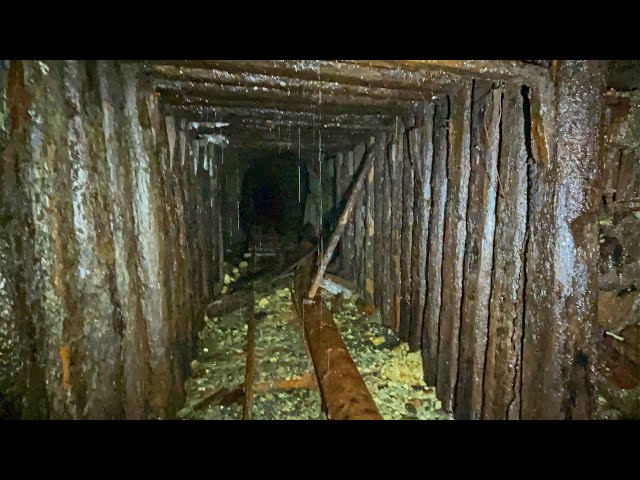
(103, 283)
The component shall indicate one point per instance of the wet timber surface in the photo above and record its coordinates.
(284, 384)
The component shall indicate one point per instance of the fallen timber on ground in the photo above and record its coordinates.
(344, 392)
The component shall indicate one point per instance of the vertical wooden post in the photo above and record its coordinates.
(454, 243)
(502, 366)
(396, 169)
(431, 327)
(378, 258)
(483, 182)
(559, 339)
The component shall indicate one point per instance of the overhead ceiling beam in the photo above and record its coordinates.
(200, 76)
(197, 103)
(225, 114)
(233, 92)
(342, 72)
(484, 69)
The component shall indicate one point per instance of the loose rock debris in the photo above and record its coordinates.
(283, 366)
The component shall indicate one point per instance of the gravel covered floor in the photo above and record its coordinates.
(214, 392)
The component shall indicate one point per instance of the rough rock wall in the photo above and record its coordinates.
(102, 277)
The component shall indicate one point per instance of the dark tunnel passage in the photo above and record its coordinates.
(274, 194)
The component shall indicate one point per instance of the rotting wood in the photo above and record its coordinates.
(369, 251)
(496, 70)
(380, 147)
(350, 227)
(431, 326)
(354, 194)
(502, 366)
(284, 116)
(211, 80)
(225, 396)
(308, 380)
(385, 257)
(359, 221)
(344, 392)
(421, 150)
(408, 207)
(454, 243)
(560, 342)
(485, 144)
(342, 72)
(396, 171)
(251, 347)
(271, 96)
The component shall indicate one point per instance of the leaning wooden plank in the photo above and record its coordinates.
(344, 218)
(485, 136)
(344, 393)
(454, 240)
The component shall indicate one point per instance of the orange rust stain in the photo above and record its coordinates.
(65, 356)
(538, 128)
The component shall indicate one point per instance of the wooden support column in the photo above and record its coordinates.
(369, 252)
(431, 327)
(218, 172)
(396, 171)
(421, 149)
(378, 259)
(503, 367)
(359, 224)
(455, 235)
(483, 182)
(217, 279)
(208, 227)
(559, 339)
(349, 238)
(406, 320)
(388, 284)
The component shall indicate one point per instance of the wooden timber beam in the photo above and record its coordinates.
(235, 92)
(293, 126)
(202, 102)
(344, 393)
(342, 222)
(283, 115)
(182, 76)
(494, 70)
(348, 73)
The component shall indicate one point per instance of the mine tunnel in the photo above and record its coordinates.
(317, 239)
